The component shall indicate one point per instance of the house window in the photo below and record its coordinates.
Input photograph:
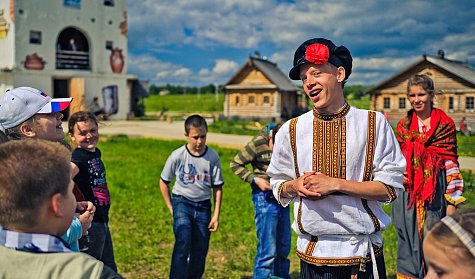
(451, 102)
(251, 99)
(266, 100)
(109, 45)
(72, 3)
(469, 103)
(237, 100)
(109, 3)
(35, 37)
(386, 103)
(402, 103)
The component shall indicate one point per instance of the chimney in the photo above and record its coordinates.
(441, 54)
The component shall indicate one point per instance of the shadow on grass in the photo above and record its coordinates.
(293, 275)
(296, 275)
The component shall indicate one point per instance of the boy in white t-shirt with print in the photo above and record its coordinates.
(197, 169)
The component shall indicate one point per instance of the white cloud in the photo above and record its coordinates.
(221, 72)
(161, 72)
(157, 71)
(383, 63)
(223, 66)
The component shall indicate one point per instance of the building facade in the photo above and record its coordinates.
(68, 48)
(454, 82)
(260, 91)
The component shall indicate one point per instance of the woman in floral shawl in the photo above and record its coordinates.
(432, 180)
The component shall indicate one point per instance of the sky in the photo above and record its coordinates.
(198, 42)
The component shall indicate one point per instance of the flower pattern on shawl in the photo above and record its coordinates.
(426, 153)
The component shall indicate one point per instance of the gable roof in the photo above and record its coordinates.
(270, 70)
(457, 68)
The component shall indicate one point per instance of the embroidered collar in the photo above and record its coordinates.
(32, 242)
(330, 116)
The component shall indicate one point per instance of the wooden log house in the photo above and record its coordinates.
(260, 91)
(454, 82)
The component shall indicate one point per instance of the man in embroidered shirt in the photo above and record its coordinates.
(338, 164)
(37, 208)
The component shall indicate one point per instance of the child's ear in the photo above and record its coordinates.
(27, 130)
(56, 204)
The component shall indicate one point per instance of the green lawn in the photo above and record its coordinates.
(362, 103)
(238, 127)
(466, 145)
(142, 226)
(185, 103)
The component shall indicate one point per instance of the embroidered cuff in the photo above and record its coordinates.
(283, 197)
(279, 191)
(459, 201)
(391, 193)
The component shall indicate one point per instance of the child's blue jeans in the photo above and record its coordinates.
(190, 226)
(273, 236)
(98, 243)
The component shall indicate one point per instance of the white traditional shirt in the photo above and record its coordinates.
(351, 144)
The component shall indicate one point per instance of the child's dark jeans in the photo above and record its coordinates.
(98, 243)
(190, 226)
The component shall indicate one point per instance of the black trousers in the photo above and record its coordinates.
(310, 271)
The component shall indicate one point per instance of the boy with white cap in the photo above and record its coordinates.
(28, 113)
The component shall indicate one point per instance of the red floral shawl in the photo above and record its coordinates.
(426, 153)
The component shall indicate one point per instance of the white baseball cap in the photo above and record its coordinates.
(19, 104)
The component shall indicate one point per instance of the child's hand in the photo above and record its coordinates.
(214, 224)
(86, 221)
(85, 206)
(86, 210)
(262, 184)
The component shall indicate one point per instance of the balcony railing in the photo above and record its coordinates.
(72, 60)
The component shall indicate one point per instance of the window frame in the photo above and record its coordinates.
(386, 102)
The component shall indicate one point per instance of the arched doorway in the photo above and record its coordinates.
(72, 50)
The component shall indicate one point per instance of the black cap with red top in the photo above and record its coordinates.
(320, 51)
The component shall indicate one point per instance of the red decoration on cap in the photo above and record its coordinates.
(317, 53)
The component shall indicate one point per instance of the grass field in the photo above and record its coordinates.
(466, 145)
(142, 226)
(185, 103)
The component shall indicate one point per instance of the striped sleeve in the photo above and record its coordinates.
(454, 191)
(244, 157)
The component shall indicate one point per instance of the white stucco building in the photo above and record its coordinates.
(75, 48)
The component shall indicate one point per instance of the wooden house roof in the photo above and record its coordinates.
(269, 70)
(457, 68)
